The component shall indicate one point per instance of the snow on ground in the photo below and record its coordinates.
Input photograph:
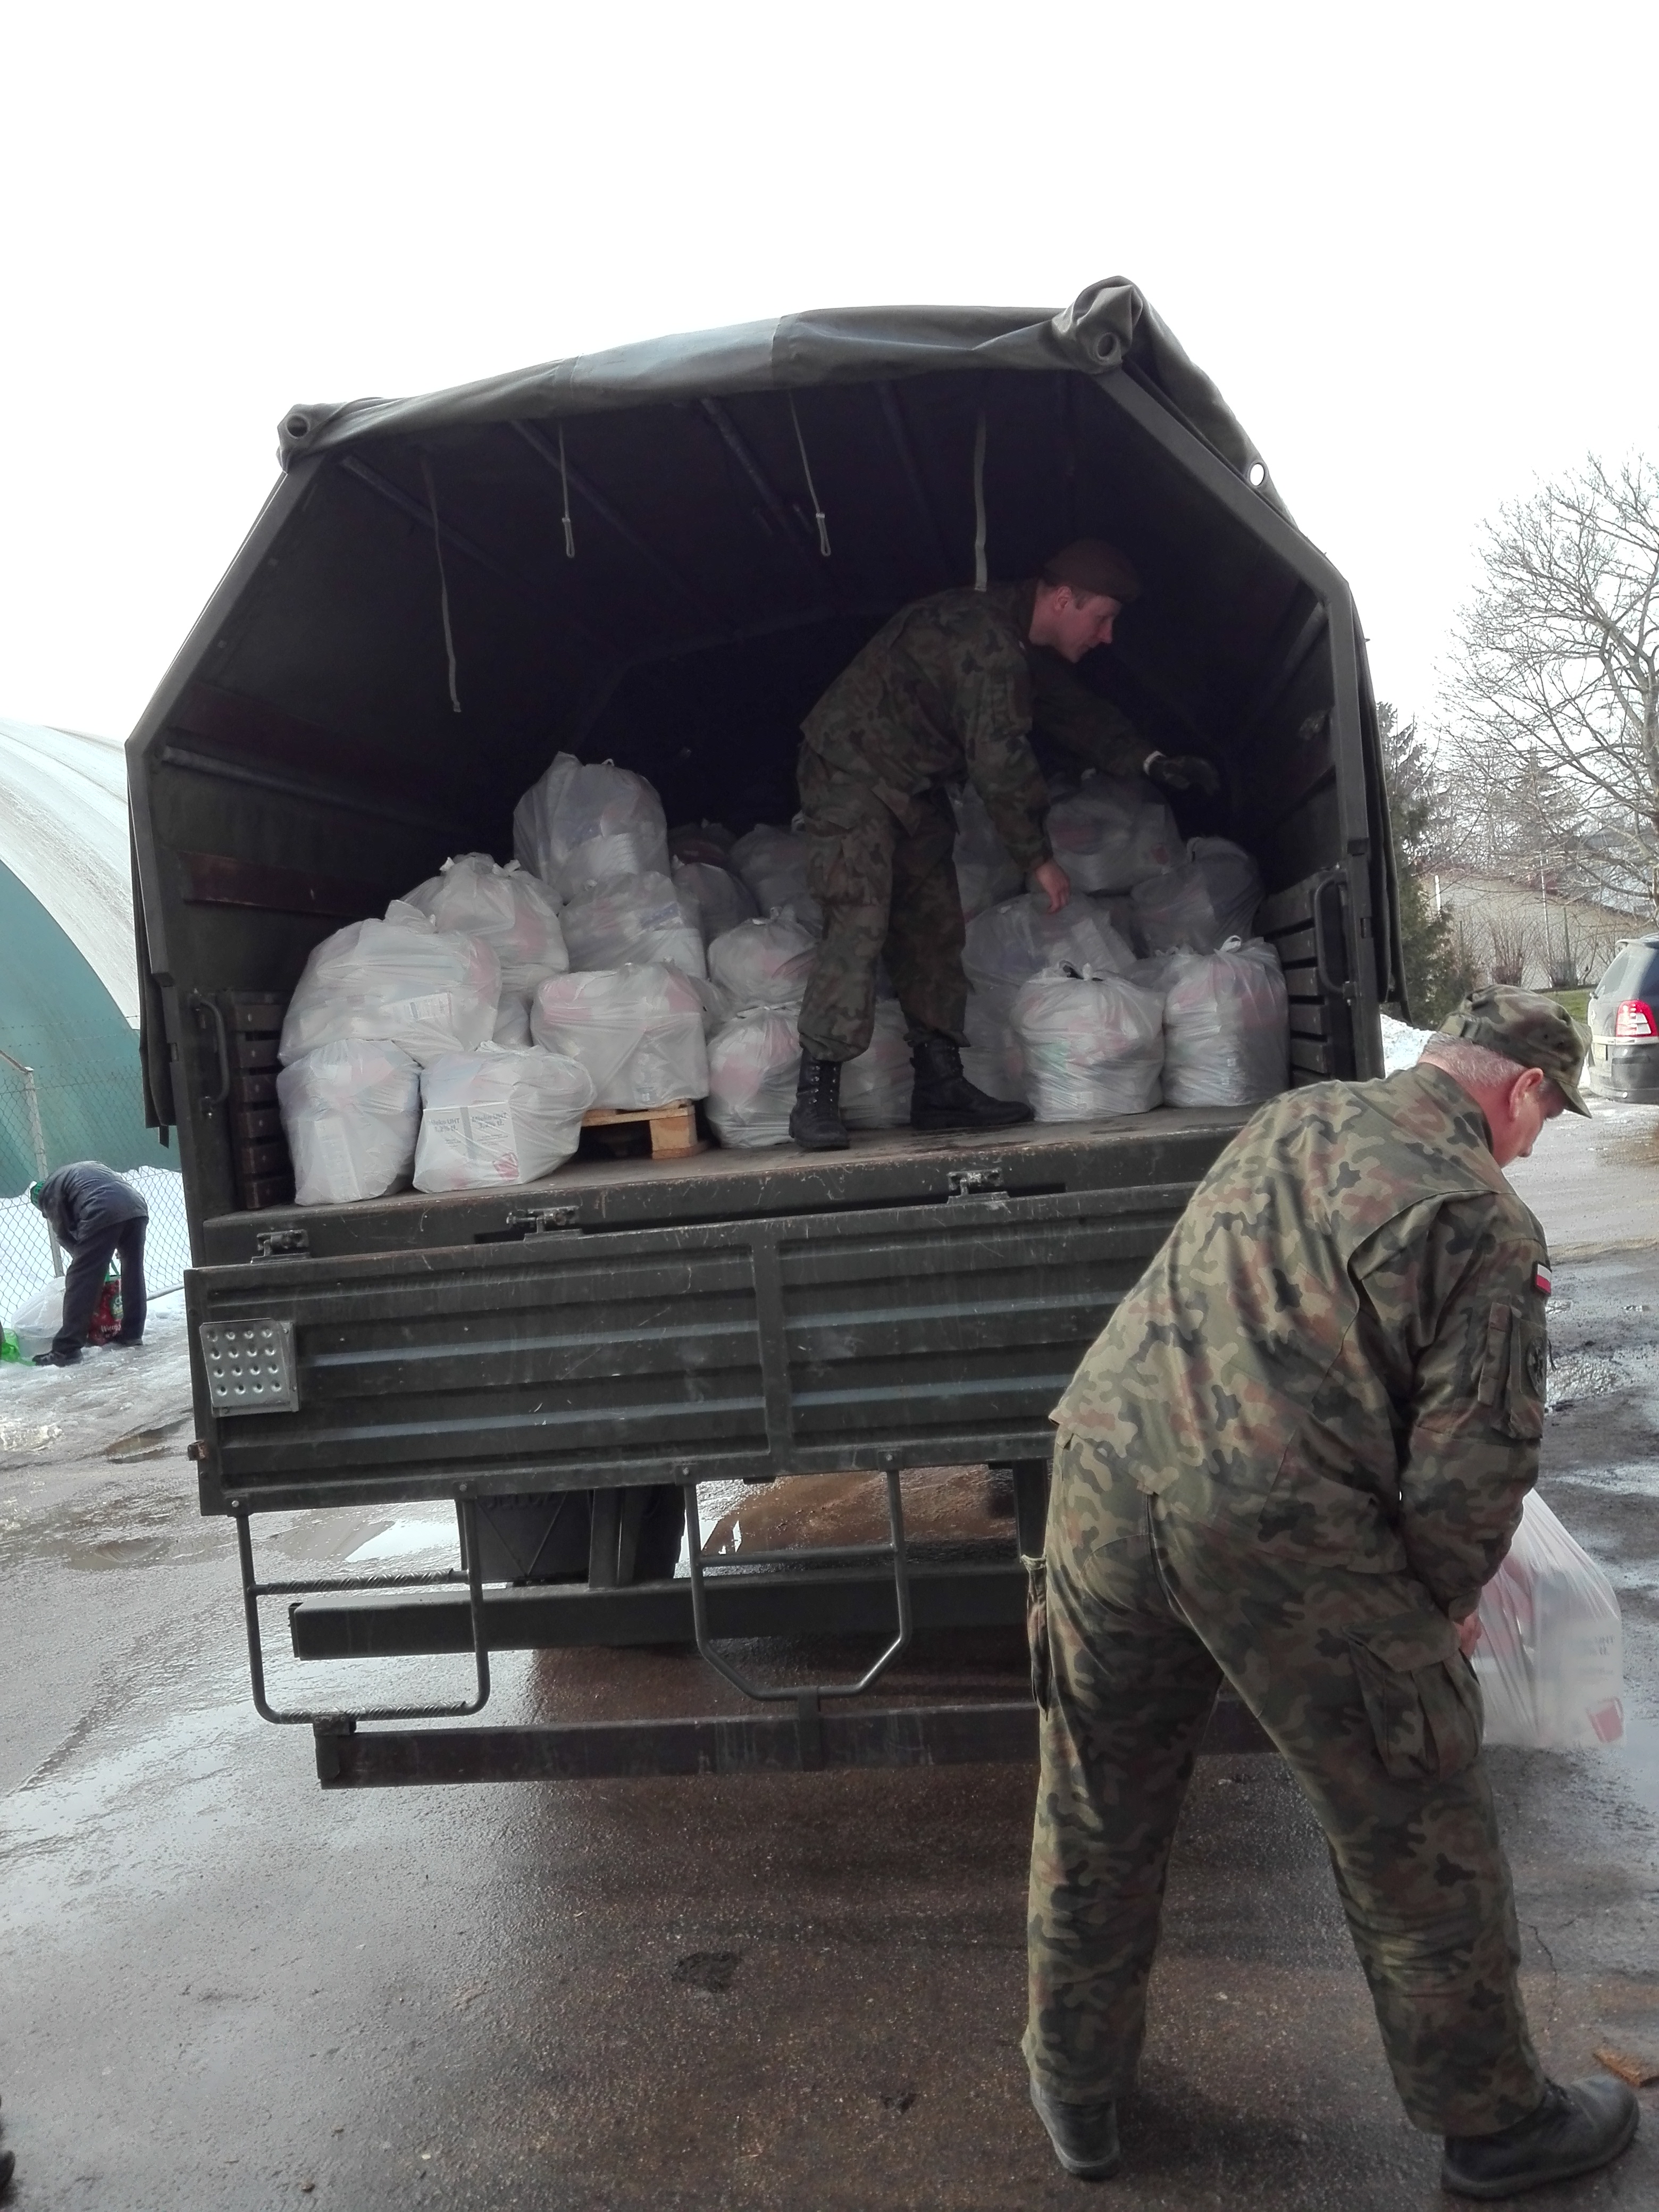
(1402, 1045)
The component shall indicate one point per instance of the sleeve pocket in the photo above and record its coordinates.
(1420, 1697)
(1036, 1629)
(1514, 1368)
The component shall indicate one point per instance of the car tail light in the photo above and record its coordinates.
(1634, 1019)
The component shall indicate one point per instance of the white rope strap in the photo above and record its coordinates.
(443, 581)
(564, 486)
(812, 489)
(980, 572)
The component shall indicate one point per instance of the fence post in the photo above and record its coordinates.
(38, 1139)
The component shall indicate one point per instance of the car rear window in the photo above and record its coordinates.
(1632, 973)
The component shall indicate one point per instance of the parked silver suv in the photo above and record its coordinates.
(1624, 1021)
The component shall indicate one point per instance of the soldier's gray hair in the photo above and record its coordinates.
(1477, 1067)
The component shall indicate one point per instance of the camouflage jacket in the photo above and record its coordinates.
(949, 690)
(1339, 1352)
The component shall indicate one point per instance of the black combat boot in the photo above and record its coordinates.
(943, 1098)
(1085, 2136)
(1573, 2131)
(815, 1124)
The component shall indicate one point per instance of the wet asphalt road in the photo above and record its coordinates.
(220, 1988)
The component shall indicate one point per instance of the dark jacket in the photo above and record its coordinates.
(85, 1198)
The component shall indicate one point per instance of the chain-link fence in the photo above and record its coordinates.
(44, 1124)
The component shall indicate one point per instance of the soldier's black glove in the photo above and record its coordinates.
(1183, 772)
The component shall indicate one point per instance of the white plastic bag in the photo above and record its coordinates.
(1550, 1661)
(754, 1062)
(763, 963)
(703, 841)
(1226, 1024)
(512, 1030)
(773, 863)
(38, 1320)
(1113, 833)
(588, 822)
(876, 1086)
(1209, 896)
(401, 980)
(1093, 1045)
(987, 873)
(351, 1113)
(638, 1032)
(493, 1117)
(712, 895)
(630, 923)
(512, 911)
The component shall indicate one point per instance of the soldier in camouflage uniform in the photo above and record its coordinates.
(947, 692)
(1290, 1462)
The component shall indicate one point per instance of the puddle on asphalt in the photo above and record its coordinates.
(405, 1540)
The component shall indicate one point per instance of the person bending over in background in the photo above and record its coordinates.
(948, 691)
(1290, 1462)
(97, 1216)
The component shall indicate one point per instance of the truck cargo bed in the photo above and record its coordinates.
(883, 1167)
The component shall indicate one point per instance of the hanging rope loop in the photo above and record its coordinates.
(812, 489)
(443, 581)
(564, 486)
(981, 574)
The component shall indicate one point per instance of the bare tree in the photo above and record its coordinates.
(1554, 694)
(1509, 935)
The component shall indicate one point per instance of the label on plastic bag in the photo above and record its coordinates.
(433, 1007)
(492, 1139)
(332, 1139)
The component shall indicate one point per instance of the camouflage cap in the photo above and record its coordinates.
(1091, 566)
(1532, 1030)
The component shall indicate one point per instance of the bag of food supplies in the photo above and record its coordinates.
(1226, 1026)
(508, 909)
(494, 1117)
(351, 1112)
(631, 922)
(587, 822)
(638, 1032)
(1093, 1044)
(763, 963)
(986, 872)
(402, 981)
(773, 863)
(1209, 896)
(1112, 833)
(712, 895)
(1550, 1661)
(876, 1085)
(754, 1061)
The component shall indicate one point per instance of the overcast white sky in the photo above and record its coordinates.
(1412, 245)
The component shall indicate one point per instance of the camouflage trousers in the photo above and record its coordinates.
(882, 889)
(1137, 1618)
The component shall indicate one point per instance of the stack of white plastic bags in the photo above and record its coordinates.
(1008, 945)
(515, 913)
(587, 822)
(754, 1058)
(397, 1063)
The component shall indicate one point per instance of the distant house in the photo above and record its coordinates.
(68, 974)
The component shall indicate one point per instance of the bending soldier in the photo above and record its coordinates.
(948, 691)
(1290, 1462)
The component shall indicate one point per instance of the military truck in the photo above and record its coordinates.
(659, 555)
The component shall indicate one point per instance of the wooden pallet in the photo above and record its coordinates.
(673, 1129)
